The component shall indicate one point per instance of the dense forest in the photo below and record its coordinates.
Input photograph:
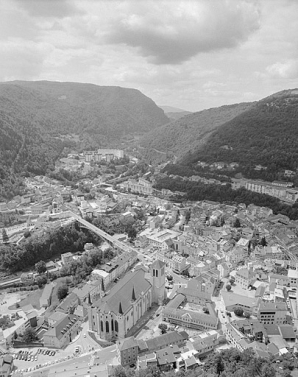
(266, 134)
(225, 194)
(190, 132)
(45, 245)
(227, 363)
(39, 119)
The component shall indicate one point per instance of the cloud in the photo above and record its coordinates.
(48, 8)
(171, 32)
(286, 70)
(30, 54)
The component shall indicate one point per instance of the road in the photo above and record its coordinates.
(87, 364)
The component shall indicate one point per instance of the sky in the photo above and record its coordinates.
(190, 54)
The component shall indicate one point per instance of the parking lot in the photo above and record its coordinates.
(29, 359)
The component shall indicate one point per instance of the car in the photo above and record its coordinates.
(38, 351)
(48, 352)
(35, 358)
(53, 353)
(84, 335)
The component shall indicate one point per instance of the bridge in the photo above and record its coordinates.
(101, 233)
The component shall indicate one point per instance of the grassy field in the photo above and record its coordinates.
(32, 298)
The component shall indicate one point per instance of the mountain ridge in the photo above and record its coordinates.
(186, 134)
(34, 115)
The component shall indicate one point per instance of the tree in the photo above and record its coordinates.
(205, 310)
(237, 223)
(41, 280)
(239, 312)
(247, 315)
(5, 237)
(163, 327)
(131, 233)
(263, 242)
(41, 267)
(232, 280)
(228, 287)
(27, 234)
(29, 335)
(62, 292)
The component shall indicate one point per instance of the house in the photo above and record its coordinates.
(223, 270)
(69, 304)
(281, 280)
(146, 361)
(56, 317)
(252, 328)
(236, 338)
(191, 319)
(128, 349)
(66, 258)
(114, 268)
(88, 292)
(45, 299)
(244, 277)
(270, 313)
(20, 325)
(165, 340)
(198, 290)
(62, 333)
(234, 301)
(27, 278)
(205, 342)
(293, 277)
(167, 358)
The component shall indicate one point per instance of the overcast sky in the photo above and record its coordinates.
(192, 54)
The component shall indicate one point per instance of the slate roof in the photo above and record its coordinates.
(231, 298)
(167, 355)
(128, 343)
(164, 340)
(181, 314)
(121, 293)
(57, 316)
(287, 331)
(56, 331)
(68, 302)
(84, 291)
(176, 302)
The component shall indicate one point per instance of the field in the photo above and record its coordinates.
(31, 298)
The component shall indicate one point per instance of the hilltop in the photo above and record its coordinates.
(38, 119)
(190, 132)
(265, 134)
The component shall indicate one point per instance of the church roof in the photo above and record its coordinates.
(120, 296)
(158, 264)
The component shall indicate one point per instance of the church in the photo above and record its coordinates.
(113, 315)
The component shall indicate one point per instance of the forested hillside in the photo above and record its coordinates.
(189, 133)
(36, 119)
(266, 134)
